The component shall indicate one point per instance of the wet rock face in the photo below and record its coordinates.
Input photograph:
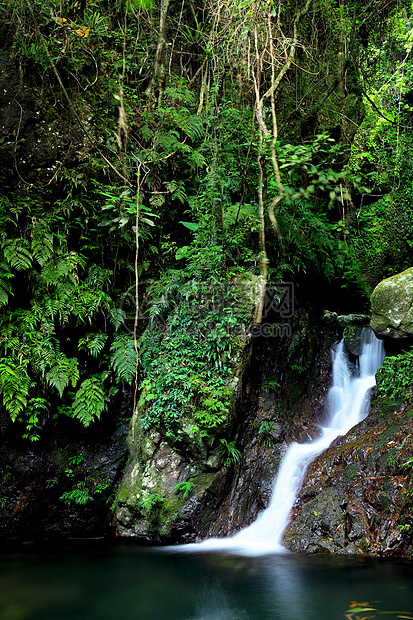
(36, 135)
(38, 479)
(273, 415)
(392, 307)
(357, 497)
(352, 339)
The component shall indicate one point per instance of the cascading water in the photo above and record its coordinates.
(348, 404)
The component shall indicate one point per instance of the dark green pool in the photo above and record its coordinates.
(85, 580)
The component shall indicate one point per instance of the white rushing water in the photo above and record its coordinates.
(348, 402)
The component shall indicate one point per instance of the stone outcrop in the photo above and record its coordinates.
(345, 320)
(170, 475)
(357, 495)
(352, 339)
(392, 307)
(175, 491)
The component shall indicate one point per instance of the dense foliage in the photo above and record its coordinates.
(154, 156)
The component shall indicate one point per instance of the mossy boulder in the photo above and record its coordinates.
(352, 338)
(392, 307)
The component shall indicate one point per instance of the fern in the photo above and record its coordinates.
(63, 269)
(93, 343)
(5, 288)
(65, 370)
(42, 242)
(98, 279)
(44, 353)
(17, 253)
(47, 309)
(87, 302)
(14, 385)
(195, 127)
(89, 401)
(123, 359)
(9, 339)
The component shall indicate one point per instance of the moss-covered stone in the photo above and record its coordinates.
(392, 306)
(352, 338)
(353, 319)
(160, 459)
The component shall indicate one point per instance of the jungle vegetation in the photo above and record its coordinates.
(155, 154)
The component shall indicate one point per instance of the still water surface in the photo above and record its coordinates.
(98, 581)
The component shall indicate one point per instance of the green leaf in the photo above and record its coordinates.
(42, 242)
(5, 288)
(182, 252)
(65, 370)
(89, 401)
(123, 358)
(14, 385)
(191, 226)
(17, 253)
(93, 343)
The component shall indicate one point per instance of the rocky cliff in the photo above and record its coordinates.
(357, 496)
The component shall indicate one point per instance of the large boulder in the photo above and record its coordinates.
(392, 307)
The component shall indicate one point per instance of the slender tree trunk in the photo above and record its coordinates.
(158, 76)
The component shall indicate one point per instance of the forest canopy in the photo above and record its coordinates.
(155, 154)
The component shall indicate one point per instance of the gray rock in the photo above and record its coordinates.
(353, 319)
(392, 307)
(352, 338)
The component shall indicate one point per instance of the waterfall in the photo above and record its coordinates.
(348, 404)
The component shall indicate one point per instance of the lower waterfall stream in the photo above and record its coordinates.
(348, 404)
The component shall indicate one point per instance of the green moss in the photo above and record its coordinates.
(389, 433)
(391, 304)
(352, 471)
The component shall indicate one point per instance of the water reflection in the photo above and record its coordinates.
(104, 582)
(215, 604)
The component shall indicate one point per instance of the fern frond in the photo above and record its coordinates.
(123, 358)
(42, 242)
(65, 370)
(197, 160)
(8, 338)
(14, 385)
(5, 288)
(17, 253)
(117, 317)
(93, 342)
(195, 127)
(87, 302)
(98, 279)
(44, 353)
(63, 269)
(47, 309)
(89, 401)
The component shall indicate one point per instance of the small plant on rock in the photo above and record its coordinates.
(232, 454)
(184, 488)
